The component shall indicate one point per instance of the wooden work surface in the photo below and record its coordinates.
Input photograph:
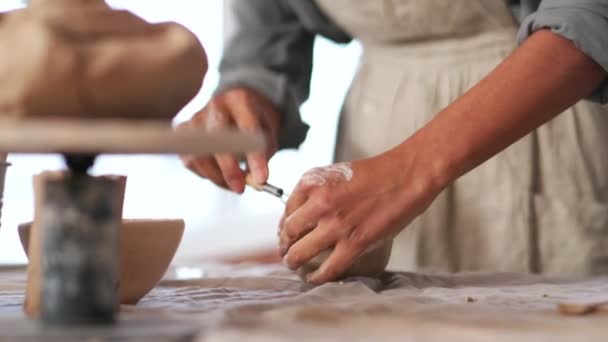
(119, 137)
(267, 303)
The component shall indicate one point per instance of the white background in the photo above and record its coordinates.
(217, 222)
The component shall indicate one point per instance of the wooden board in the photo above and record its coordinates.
(119, 137)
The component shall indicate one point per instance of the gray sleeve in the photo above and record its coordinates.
(267, 49)
(584, 22)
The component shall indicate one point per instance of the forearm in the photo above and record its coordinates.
(546, 75)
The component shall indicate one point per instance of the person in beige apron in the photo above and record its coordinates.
(536, 207)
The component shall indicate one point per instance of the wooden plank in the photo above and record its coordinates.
(119, 137)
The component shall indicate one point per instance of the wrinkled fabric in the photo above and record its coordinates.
(267, 303)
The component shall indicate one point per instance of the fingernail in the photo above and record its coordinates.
(260, 174)
(236, 185)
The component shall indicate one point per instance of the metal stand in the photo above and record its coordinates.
(80, 225)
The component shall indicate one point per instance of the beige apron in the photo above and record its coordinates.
(539, 206)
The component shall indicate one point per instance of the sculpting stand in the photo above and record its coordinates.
(80, 248)
(89, 83)
(79, 221)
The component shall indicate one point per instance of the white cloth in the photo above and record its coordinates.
(270, 304)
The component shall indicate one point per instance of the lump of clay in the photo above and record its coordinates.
(80, 58)
(369, 264)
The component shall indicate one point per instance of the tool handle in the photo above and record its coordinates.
(269, 188)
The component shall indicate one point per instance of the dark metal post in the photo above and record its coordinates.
(80, 256)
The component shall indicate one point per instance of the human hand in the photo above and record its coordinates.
(351, 209)
(248, 111)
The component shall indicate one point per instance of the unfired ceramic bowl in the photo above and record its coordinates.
(146, 250)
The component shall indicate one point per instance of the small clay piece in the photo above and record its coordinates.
(370, 264)
(471, 300)
(580, 309)
(80, 58)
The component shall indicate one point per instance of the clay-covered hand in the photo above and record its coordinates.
(248, 111)
(351, 209)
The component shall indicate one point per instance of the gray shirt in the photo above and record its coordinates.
(269, 46)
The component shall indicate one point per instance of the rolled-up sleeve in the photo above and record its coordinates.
(267, 49)
(584, 22)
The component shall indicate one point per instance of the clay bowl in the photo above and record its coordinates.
(146, 250)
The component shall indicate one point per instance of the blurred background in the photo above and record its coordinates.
(219, 225)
